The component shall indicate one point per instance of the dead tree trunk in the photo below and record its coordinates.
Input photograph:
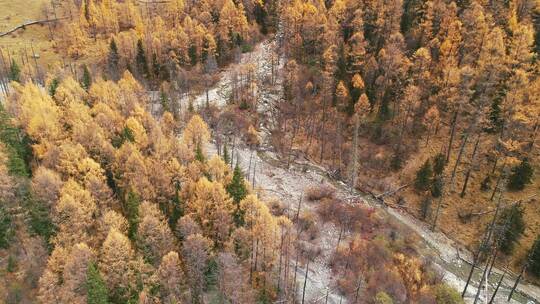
(522, 271)
(497, 288)
(295, 271)
(452, 133)
(517, 280)
(481, 281)
(295, 131)
(280, 261)
(355, 154)
(468, 174)
(321, 131)
(498, 183)
(485, 242)
(437, 212)
(305, 282)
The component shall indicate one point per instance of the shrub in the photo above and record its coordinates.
(308, 225)
(316, 193)
(444, 294)
(383, 298)
(521, 176)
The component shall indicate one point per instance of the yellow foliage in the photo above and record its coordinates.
(154, 234)
(196, 134)
(358, 82)
(139, 133)
(116, 261)
(218, 170)
(73, 214)
(37, 113)
(211, 207)
(69, 91)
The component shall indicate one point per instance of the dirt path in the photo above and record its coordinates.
(272, 180)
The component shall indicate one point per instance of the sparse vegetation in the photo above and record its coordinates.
(111, 190)
(320, 192)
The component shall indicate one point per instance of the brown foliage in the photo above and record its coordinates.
(317, 193)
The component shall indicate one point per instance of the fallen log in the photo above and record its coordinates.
(391, 192)
(21, 26)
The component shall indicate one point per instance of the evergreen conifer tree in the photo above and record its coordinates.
(439, 162)
(142, 64)
(87, 78)
(96, 291)
(156, 66)
(226, 156)
(6, 228)
(199, 154)
(425, 207)
(53, 86)
(496, 121)
(423, 177)
(437, 187)
(534, 264)
(114, 57)
(521, 176)
(132, 212)
(513, 226)
(237, 190)
(164, 99)
(14, 72)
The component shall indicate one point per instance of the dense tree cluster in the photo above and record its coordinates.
(373, 89)
(159, 39)
(116, 184)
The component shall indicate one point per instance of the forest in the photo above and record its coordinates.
(269, 151)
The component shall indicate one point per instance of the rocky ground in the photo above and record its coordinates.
(271, 179)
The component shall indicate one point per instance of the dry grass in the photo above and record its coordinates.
(373, 177)
(16, 12)
(20, 43)
(468, 233)
(316, 193)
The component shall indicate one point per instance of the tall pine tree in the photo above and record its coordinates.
(142, 64)
(226, 156)
(521, 176)
(132, 212)
(513, 226)
(14, 72)
(496, 121)
(114, 57)
(96, 291)
(86, 81)
(238, 191)
(534, 264)
(422, 181)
